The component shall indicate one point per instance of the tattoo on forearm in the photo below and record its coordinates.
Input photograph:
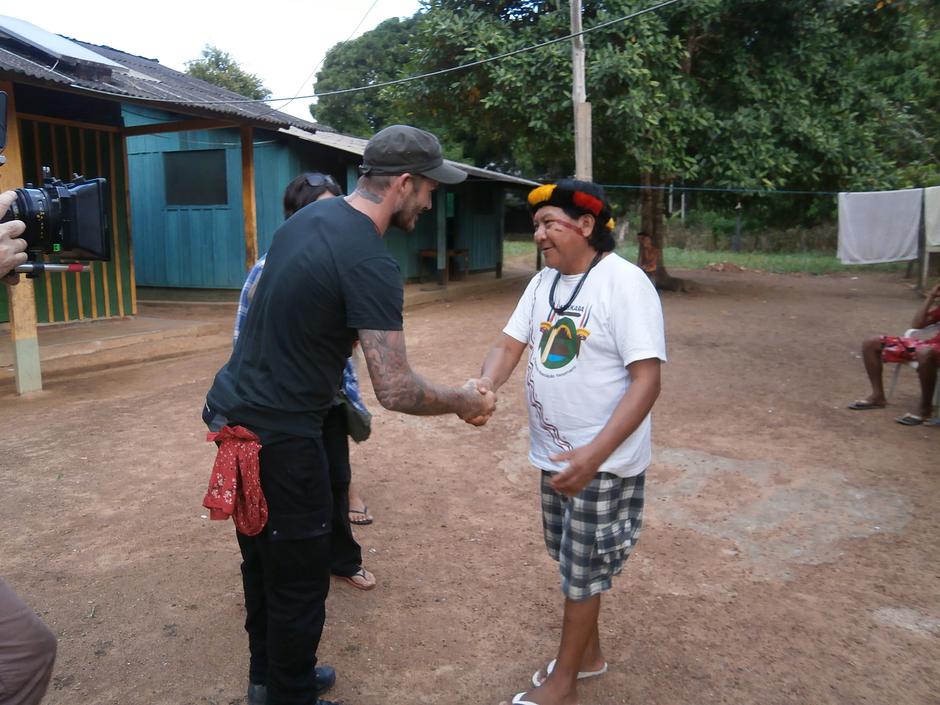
(397, 387)
(368, 195)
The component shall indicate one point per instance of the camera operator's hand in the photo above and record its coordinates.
(12, 247)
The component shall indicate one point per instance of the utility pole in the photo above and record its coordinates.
(582, 109)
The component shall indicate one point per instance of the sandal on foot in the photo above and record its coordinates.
(909, 420)
(517, 699)
(538, 679)
(360, 579)
(864, 404)
(364, 513)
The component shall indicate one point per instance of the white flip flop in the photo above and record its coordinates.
(517, 699)
(581, 674)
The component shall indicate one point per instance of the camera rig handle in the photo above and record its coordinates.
(32, 269)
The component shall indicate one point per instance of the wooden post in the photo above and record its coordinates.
(122, 141)
(501, 216)
(248, 197)
(582, 109)
(22, 298)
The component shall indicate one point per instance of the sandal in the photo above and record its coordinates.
(909, 419)
(364, 513)
(538, 678)
(360, 579)
(864, 404)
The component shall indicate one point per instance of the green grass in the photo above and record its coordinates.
(803, 262)
(675, 258)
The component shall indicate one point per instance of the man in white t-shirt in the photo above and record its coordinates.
(594, 327)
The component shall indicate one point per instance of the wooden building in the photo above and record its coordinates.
(193, 239)
(97, 111)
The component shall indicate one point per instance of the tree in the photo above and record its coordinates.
(375, 57)
(762, 94)
(219, 68)
(766, 94)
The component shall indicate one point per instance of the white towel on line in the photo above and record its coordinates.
(932, 217)
(879, 226)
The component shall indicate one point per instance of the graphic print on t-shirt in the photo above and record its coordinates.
(561, 340)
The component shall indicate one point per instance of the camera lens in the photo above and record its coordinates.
(34, 207)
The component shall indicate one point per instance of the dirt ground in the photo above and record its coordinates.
(789, 552)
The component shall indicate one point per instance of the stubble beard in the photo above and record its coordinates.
(406, 219)
(398, 222)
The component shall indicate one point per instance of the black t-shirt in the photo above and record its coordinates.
(327, 275)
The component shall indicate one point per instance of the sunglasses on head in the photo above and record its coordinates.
(317, 180)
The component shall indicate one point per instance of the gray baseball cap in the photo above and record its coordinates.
(403, 149)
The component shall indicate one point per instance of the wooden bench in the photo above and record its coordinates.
(458, 263)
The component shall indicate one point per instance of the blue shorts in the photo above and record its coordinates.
(592, 534)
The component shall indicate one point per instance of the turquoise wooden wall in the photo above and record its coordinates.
(203, 246)
(475, 224)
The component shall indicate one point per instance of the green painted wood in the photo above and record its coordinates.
(69, 149)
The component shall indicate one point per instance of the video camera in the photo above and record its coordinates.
(65, 219)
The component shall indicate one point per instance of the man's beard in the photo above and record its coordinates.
(405, 219)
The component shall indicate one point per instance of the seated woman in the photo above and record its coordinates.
(899, 349)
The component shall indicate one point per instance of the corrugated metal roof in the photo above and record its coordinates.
(357, 145)
(140, 80)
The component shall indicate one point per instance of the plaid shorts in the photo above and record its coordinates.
(592, 535)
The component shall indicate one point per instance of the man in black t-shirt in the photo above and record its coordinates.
(328, 280)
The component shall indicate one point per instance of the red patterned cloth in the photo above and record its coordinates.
(897, 348)
(235, 483)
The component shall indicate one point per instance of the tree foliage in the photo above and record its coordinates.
(377, 56)
(761, 94)
(219, 68)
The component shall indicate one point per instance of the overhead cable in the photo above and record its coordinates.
(407, 79)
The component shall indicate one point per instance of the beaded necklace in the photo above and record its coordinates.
(577, 289)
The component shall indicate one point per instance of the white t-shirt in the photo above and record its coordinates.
(576, 373)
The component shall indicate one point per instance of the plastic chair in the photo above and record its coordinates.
(920, 333)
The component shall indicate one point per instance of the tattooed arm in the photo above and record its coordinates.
(399, 388)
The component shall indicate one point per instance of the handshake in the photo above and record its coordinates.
(481, 401)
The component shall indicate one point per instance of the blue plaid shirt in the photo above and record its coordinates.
(350, 380)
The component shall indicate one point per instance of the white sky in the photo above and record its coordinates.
(282, 42)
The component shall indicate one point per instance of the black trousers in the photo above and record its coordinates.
(346, 553)
(286, 570)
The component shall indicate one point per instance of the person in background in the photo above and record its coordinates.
(648, 258)
(898, 349)
(27, 646)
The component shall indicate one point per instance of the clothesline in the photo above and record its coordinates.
(884, 226)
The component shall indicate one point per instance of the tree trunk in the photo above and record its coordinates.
(651, 217)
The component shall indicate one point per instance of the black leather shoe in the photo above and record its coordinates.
(323, 679)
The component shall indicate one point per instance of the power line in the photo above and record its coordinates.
(498, 57)
(407, 79)
(319, 64)
(721, 189)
